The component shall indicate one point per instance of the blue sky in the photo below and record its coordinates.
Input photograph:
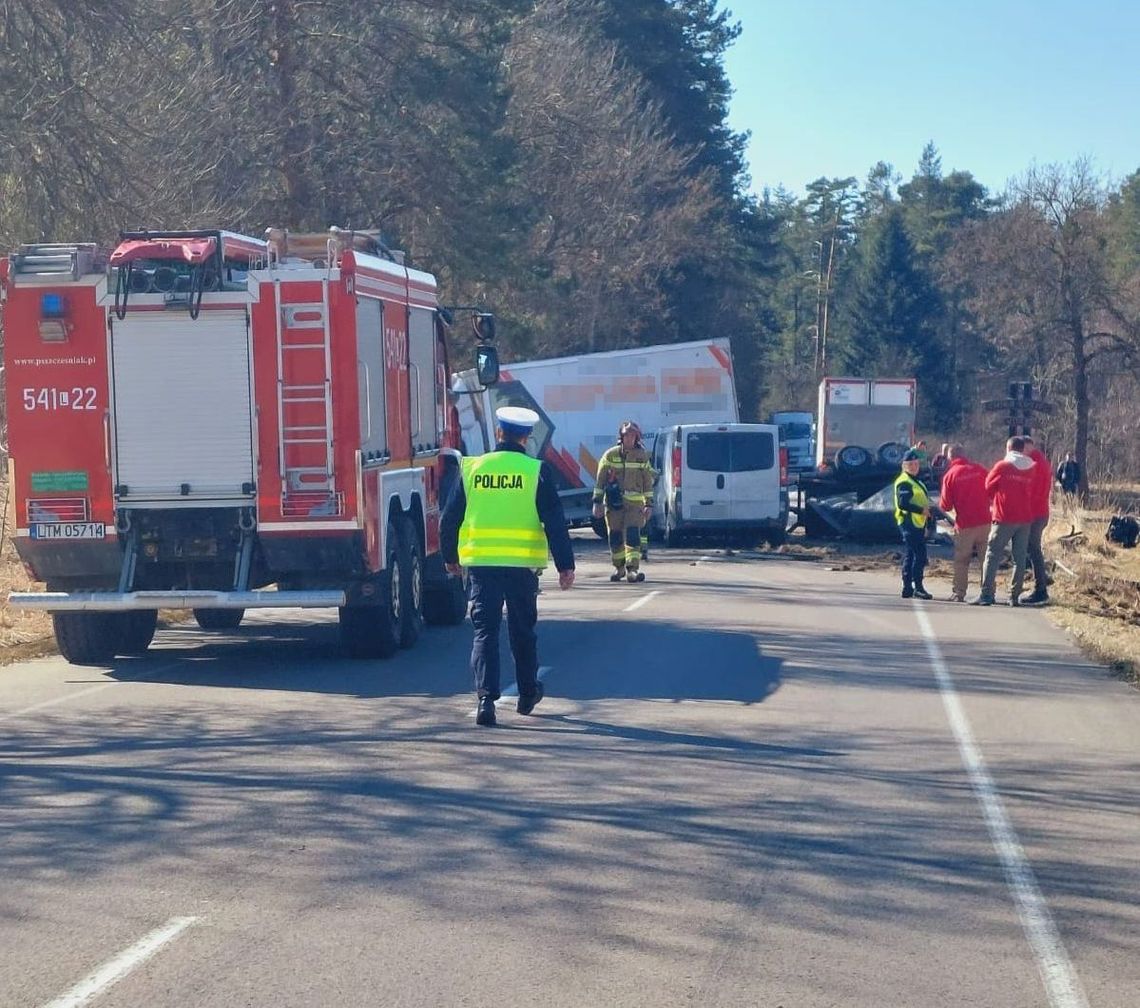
(828, 87)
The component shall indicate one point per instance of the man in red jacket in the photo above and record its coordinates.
(964, 492)
(1010, 485)
(1043, 484)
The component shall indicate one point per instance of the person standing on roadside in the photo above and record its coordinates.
(912, 511)
(1010, 486)
(622, 494)
(497, 524)
(1042, 486)
(1069, 475)
(964, 493)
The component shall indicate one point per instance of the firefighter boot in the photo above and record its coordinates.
(618, 575)
(633, 576)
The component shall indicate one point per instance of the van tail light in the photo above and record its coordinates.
(783, 467)
(676, 466)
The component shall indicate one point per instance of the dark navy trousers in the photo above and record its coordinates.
(491, 588)
(914, 559)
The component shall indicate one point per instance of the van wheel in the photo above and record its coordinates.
(218, 619)
(87, 638)
(373, 631)
(137, 631)
(672, 535)
(776, 537)
(411, 582)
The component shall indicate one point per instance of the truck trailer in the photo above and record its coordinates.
(582, 400)
(210, 421)
(863, 427)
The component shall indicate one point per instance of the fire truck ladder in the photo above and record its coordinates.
(304, 405)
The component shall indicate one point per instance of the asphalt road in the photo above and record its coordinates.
(754, 782)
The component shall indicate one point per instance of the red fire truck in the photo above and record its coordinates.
(208, 421)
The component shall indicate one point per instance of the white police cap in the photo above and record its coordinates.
(517, 417)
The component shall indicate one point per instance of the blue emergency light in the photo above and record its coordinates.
(52, 306)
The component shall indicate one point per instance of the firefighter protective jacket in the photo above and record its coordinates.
(632, 472)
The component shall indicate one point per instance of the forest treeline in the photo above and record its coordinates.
(568, 163)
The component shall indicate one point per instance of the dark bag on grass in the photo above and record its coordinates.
(1124, 530)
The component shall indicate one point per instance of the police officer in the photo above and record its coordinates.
(912, 511)
(622, 493)
(497, 523)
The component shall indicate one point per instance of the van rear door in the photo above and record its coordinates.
(732, 474)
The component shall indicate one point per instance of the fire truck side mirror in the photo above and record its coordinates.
(484, 325)
(487, 364)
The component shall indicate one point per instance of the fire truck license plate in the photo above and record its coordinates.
(69, 530)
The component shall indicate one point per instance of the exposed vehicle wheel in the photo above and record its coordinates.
(890, 453)
(411, 582)
(373, 631)
(672, 535)
(87, 638)
(446, 605)
(599, 527)
(218, 619)
(850, 458)
(776, 537)
(136, 630)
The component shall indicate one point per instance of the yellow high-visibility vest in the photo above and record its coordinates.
(919, 499)
(500, 524)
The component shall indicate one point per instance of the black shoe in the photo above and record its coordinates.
(983, 599)
(922, 593)
(1036, 599)
(527, 704)
(485, 716)
(618, 575)
(907, 592)
(1015, 601)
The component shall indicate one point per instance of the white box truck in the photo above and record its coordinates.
(582, 400)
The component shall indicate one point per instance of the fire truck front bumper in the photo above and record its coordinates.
(127, 601)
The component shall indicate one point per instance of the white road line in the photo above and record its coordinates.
(114, 971)
(641, 601)
(56, 700)
(511, 692)
(1062, 985)
(150, 669)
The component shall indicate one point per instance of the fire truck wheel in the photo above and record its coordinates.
(411, 584)
(373, 631)
(136, 631)
(87, 638)
(446, 604)
(218, 619)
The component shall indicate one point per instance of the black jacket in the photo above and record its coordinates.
(549, 513)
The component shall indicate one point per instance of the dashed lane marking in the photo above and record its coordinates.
(641, 601)
(112, 972)
(511, 692)
(1062, 985)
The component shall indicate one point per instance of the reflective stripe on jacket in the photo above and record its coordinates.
(632, 472)
(500, 526)
(909, 494)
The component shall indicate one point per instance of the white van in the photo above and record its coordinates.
(721, 482)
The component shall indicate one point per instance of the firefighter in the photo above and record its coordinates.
(497, 523)
(622, 494)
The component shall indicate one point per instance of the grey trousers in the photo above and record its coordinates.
(1001, 535)
(1037, 555)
